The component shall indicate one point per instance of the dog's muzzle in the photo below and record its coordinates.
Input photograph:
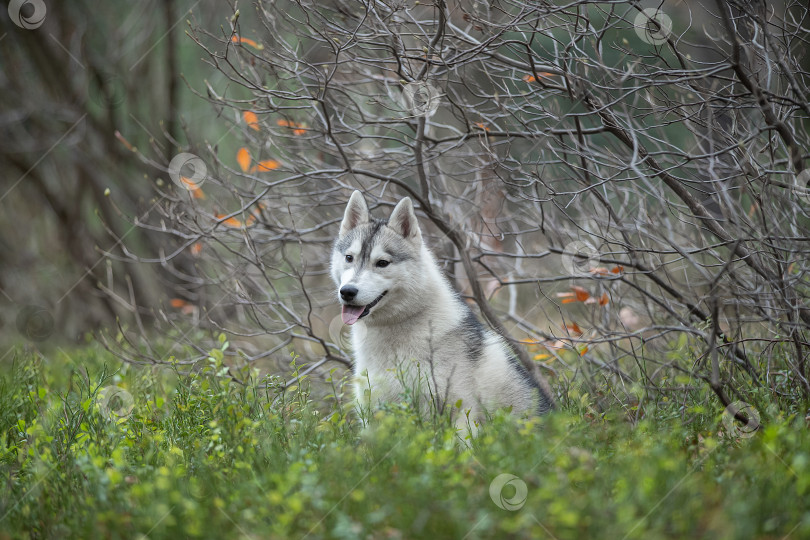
(351, 314)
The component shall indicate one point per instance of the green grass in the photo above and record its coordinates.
(202, 457)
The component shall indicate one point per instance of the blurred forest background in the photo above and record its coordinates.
(619, 187)
(75, 88)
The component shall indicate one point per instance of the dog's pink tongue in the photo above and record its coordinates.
(350, 314)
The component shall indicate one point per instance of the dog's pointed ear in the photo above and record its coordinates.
(403, 221)
(356, 213)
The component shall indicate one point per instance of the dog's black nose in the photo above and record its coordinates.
(348, 293)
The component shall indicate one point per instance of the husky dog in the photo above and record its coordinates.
(411, 332)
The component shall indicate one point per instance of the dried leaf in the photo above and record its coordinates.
(531, 78)
(298, 129)
(193, 187)
(265, 165)
(581, 293)
(251, 120)
(234, 222)
(243, 158)
(574, 328)
(247, 41)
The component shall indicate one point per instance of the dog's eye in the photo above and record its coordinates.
(349, 258)
(382, 264)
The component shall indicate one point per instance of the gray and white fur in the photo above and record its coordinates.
(410, 328)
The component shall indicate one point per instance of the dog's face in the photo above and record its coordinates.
(375, 262)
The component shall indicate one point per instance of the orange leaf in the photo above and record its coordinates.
(196, 248)
(574, 328)
(603, 300)
(229, 221)
(617, 269)
(247, 41)
(265, 165)
(233, 222)
(193, 187)
(583, 351)
(541, 356)
(177, 302)
(531, 78)
(481, 125)
(251, 120)
(243, 158)
(581, 293)
(298, 129)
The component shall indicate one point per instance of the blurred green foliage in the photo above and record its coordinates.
(200, 456)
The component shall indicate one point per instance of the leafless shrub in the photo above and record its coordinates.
(621, 189)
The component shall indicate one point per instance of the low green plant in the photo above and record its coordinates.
(198, 455)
